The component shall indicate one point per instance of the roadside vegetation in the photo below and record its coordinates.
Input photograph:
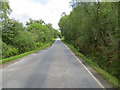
(111, 79)
(92, 29)
(26, 53)
(18, 38)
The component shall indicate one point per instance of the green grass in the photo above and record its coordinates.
(112, 80)
(3, 61)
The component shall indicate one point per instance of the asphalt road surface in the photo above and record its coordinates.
(55, 67)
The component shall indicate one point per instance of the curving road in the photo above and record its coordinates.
(55, 67)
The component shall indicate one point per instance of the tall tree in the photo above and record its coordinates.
(92, 28)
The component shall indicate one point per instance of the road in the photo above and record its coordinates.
(55, 67)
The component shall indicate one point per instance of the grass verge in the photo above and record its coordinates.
(3, 61)
(111, 79)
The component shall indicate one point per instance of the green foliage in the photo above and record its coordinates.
(17, 39)
(43, 33)
(26, 38)
(36, 27)
(59, 34)
(92, 28)
(45, 45)
(38, 44)
(24, 41)
(114, 81)
(10, 30)
(5, 9)
(8, 50)
(31, 21)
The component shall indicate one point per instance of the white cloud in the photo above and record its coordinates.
(48, 10)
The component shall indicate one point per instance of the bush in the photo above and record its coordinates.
(8, 50)
(0, 46)
(38, 44)
(25, 41)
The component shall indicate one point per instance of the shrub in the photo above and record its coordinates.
(25, 41)
(8, 50)
(38, 44)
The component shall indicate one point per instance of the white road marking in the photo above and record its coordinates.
(13, 64)
(86, 68)
(73, 55)
(20, 60)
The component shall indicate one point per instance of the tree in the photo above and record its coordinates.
(24, 41)
(31, 21)
(10, 30)
(17, 39)
(5, 9)
(92, 28)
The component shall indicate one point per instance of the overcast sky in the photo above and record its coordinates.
(48, 10)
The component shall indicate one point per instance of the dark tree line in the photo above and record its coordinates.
(92, 28)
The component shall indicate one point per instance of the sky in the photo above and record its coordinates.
(48, 10)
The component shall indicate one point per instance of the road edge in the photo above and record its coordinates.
(102, 82)
(13, 62)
